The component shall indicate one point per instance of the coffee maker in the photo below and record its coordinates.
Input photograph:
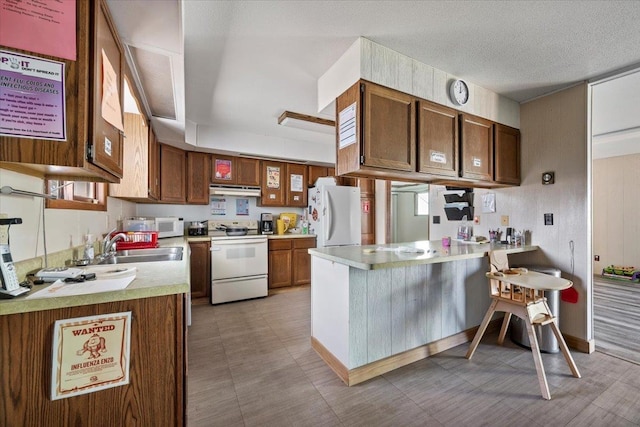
(266, 223)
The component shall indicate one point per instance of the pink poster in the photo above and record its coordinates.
(41, 26)
(32, 97)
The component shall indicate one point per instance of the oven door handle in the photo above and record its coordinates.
(238, 242)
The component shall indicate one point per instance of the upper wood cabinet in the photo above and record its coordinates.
(376, 132)
(229, 170)
(387, 134)
(198, 172)
(507, 154)
(135, 181)
(248, 171)
(315, 172)
(93, 147)
(154, 166)
(172, 174)
(296, 185)
(437, 139)
(476, 145)
(273, 183)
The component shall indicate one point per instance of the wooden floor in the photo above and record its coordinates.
(251, 364)
(616, 317)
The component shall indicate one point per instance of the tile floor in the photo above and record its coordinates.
(251, 364)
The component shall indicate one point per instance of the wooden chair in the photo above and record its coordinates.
(529, 304)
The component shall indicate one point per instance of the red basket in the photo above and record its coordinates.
(137, 240)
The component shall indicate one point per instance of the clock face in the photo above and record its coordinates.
(459, 92)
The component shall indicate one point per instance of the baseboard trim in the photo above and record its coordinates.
(366, 372)
(583, 346)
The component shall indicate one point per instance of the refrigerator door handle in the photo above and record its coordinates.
(328, 225)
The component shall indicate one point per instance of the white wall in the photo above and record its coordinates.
(616, 204)
(65, 228)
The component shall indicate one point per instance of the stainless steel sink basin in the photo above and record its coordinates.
(144, 255)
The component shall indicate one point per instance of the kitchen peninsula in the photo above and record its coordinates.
(377, 308)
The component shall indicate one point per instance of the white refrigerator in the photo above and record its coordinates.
(334, 215)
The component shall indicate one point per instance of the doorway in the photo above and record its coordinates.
(409, 212)
(615, 195)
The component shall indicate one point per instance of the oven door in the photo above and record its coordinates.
(238, 258)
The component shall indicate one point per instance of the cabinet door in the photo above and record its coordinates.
(154, 166)
(301, 274)
(223, 169)
(200, 265)
(437, 139)
(296, 185)
(507, 154)
(273, 183)
(172, 174)
(198, 178)
(279, 268)
(135, 179)
(247, 171)
(107, 139)
(315, 172)
(477, 147)
(389, 136)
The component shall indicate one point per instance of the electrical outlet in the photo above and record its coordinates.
(548, 219)
(4, 230)
(504, 220)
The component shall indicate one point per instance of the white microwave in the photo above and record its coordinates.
(170, 226)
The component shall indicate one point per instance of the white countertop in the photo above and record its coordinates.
(152, 279)
(371, 258)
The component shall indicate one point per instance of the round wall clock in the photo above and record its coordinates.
(459, 92)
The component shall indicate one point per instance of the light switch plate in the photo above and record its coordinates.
(548, 219)
(504, 220)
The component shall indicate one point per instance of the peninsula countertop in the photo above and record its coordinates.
(152, 279)
(376, 257)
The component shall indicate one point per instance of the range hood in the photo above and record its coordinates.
(221, 190)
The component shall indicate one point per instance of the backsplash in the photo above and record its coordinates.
(204, 212)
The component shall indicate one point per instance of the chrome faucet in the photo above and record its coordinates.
(108, 243)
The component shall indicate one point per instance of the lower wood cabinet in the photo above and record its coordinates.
(289, 261)
(200, 264)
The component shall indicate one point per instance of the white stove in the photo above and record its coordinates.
(239, 264)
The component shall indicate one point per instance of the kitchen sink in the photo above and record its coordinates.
(144, 255)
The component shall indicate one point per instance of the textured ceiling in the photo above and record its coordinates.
(246, 62)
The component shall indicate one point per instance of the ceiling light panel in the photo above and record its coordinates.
(154, 72)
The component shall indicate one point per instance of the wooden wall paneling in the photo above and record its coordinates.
(416, 328)
(398, 310)
(378, 314)
(475, 308)
(451, 312)
(433, 289)
(357, 317)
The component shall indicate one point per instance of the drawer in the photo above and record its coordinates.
(303, 243)
(279, 244)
